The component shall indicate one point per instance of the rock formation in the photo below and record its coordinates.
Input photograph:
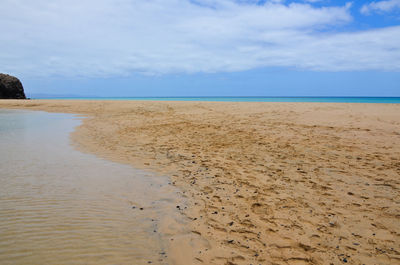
(11, 87)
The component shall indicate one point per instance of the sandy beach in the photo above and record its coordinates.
(266, 183)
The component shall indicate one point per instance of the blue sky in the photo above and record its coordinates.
(201, 48)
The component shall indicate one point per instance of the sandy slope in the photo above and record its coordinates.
(267, 183)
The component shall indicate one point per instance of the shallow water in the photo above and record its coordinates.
(60, 206)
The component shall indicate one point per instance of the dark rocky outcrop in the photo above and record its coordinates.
(11, 87)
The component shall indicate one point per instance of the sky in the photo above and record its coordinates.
(117, 48)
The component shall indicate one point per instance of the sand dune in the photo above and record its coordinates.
(266, 183)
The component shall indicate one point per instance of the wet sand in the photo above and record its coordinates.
(266, 183)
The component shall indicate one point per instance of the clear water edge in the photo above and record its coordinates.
(60, 206)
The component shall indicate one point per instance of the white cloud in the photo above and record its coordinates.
(119, 37)
(380, 6)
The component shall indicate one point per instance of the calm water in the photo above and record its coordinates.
(60, 206)
(260, 99)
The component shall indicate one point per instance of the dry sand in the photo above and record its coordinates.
(266, 183)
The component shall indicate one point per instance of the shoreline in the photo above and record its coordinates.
(54, 197)
(304, 183)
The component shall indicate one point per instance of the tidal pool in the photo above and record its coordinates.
(61, 206)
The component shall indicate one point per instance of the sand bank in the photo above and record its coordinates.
(267, 183)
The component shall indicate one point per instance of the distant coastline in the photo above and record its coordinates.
(242, 99)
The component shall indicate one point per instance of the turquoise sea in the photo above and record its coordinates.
(251, 99)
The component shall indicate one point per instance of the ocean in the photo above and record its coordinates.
(392, 100)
